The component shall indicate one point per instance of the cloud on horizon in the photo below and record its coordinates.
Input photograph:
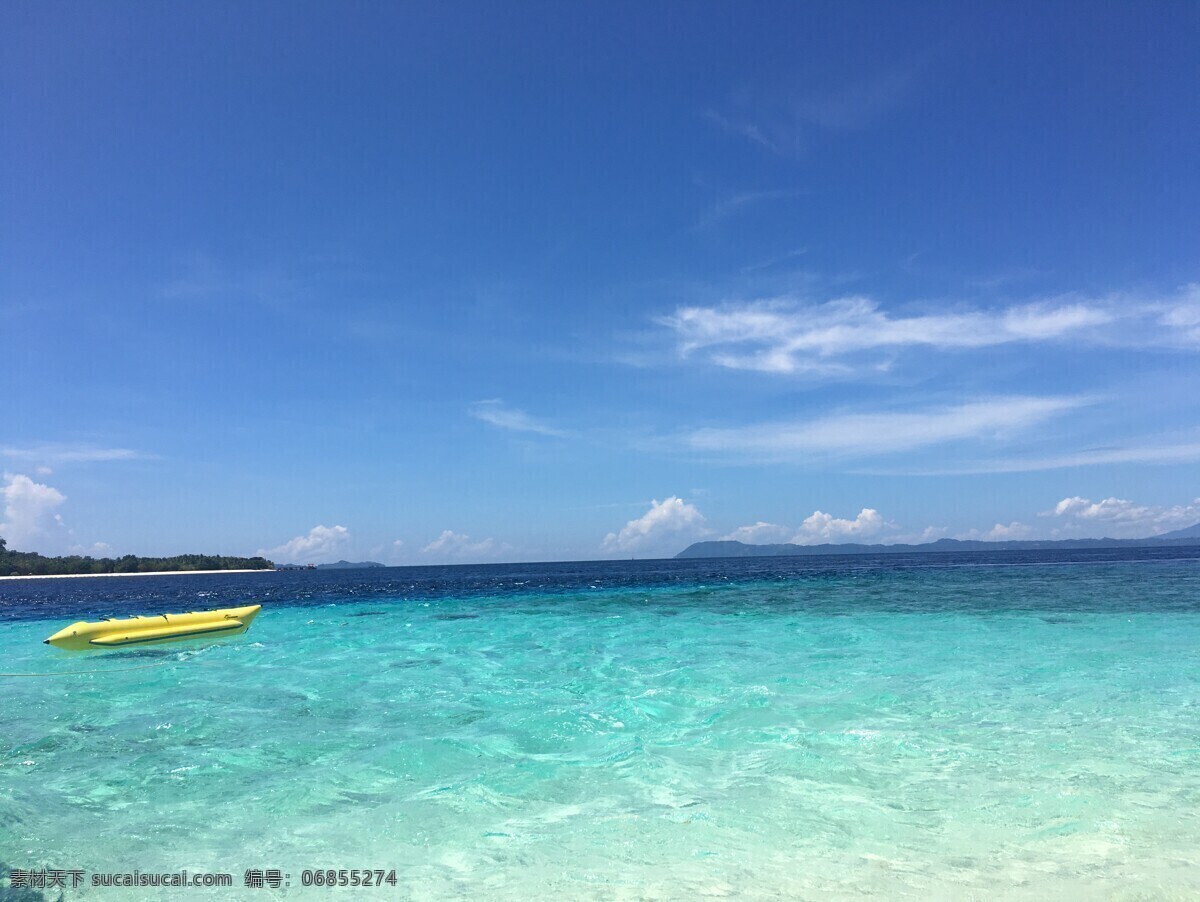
(1014, 531)
(1076, 517)
(760, 533)
(669, 521)
(1119, 518)
(821, 527)
(451, 545)
(321, 545)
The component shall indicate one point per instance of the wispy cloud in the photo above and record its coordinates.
(742, 201)
(782, 120)
(864, 434)
(1004, 278)
(782, 336)
(63, 453)
(788, 336)
(202, 278)
(745, 129)
(1184, 315)
(495, 412)
(770, 262)
(856, 104)
(1147, 452)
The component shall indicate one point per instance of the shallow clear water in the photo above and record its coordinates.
(800, 729)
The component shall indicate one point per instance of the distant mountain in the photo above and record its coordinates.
(349, 565)
(1188, 532)
(728, 548)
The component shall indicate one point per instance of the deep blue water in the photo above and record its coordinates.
(873, 581)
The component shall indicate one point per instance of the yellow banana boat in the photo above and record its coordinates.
(113, 633)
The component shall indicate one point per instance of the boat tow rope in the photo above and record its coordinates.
(106, 670)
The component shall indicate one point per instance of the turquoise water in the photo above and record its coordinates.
(989, 731)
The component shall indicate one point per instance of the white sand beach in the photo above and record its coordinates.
(149, 573)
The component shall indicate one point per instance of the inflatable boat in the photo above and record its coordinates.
(114, 633)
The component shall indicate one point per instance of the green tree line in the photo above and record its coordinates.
(30, 563)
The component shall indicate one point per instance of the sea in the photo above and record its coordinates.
(926, 726)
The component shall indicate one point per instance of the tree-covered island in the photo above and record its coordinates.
(30, 563)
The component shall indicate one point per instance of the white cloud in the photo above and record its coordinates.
(881, 433)
(454, 545)
(1119, 518)
(668, 521)
(759, 534)
(786, 335)
(821, 527)
(31, 517)
(495, 412)
(321, 545)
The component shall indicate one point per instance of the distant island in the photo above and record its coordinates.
(730, 548)
(30, 563)
(349, 565)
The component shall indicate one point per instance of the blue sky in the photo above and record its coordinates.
(468, 282)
